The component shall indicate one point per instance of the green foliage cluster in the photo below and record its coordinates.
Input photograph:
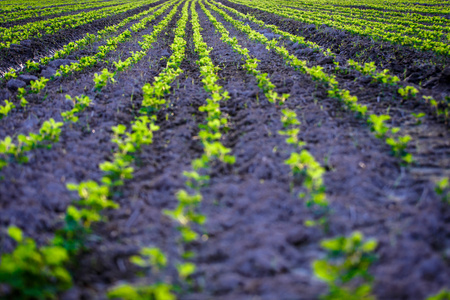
(48, 134)
(348, 259)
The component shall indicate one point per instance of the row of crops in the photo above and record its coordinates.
(17, 13)
(86, 72)
(410, 29)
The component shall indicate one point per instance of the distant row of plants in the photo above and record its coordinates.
(101, 79)
(15, 34)
(79, 44)
(441, 108)
(430, 40)
(14, 16)
(391, 136)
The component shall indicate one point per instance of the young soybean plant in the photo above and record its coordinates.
(79, 103)
(33, 272)
(38, 85)
(347, 258)
(442, 188)
(5, 109)
(304, 164)
(101, 80)
(408, 92)
(159, 291)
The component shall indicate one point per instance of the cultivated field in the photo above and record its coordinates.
(197, 149)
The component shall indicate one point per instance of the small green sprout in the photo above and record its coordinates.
(38, 85)
(378, 124)
(101, 80)
(408, 92)
(158, 291)
(5, 109)
(50, 131)
(32, 66)
(80, 103)
(347, 258)
(443, 189)
(10, 74)
(185, 270)
(418, 117)
(21, 92)
(33, 272)
(9, 149)
(150, 257)
(289, 119)
(116, 171)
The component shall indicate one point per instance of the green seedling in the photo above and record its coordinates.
(73, 235)
(121, 65)
(378, 124)
(195, 180)
(33, 272)
(158, 291)
(116, 171)
(10, 74)
(399, 144)
(348, 258)
(48, 134)
(185, 270)
(408, 92)
(80, 104)
(101, 80)
(150, 257)
(21, 96)
(337, 68)
(385, 78)
(185, 213)
(50, 131)
(9, 149)
(5, 109)
(219, 151)
(289, 119)
(418, 117)
(95, 198)
(38, 85)
(443, 189)
(304, 164)
(32, 66)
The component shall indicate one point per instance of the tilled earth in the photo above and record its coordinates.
(255, 244)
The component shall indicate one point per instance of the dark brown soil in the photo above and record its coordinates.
(257, 245)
